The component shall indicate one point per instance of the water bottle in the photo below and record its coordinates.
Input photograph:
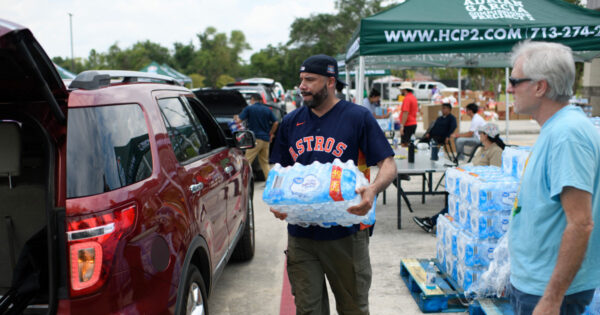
(411, 150)
(434, 150)
(430, 276)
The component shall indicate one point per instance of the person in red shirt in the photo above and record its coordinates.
(408, 116)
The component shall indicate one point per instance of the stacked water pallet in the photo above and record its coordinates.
(479, 208)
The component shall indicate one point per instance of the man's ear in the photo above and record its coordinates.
(331, 82)
(541, 87)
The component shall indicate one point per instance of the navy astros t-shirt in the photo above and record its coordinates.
(347, 132)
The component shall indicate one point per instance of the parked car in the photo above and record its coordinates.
(224, 104)
(119, 195)
(423, 90)
(263, 86)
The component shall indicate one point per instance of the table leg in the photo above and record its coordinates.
(423, 188)
(430, 182)
(399, 201)
(446, 200)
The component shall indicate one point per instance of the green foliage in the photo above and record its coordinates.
(318, 34)
(223, 80)
(197, 80)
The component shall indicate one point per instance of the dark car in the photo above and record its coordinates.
(120, 195)
(224, 104)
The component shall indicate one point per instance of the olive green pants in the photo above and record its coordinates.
(346, 264)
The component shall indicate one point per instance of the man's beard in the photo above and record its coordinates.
(317, 98)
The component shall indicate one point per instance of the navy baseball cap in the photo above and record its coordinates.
(323, 65)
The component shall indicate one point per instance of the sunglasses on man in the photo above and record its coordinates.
(516, 81)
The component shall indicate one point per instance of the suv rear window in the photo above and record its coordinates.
(107, 148)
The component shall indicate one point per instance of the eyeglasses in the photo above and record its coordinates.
(515, 81)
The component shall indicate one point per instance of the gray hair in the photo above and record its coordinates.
(552, 62)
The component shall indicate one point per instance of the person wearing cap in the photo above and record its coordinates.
(489, 154)
(408, 115)
(554, 233)
(263, 123)
(324, 129)
(470, 137)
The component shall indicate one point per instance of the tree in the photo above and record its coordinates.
(197, 80)
(183, 57)
(223, 80)
(318, 34)
(219, 54)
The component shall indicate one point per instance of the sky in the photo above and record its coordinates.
(99, 24)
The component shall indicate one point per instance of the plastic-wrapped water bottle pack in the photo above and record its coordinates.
(473, 251)
(468, 275)
(317, 194)
(495, 279)
(513, 160)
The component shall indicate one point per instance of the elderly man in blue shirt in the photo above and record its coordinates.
(554, 246)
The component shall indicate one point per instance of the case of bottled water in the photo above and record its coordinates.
(317, 194)
(453, 204)
(473, 251)
(468, 276)
(514, 159)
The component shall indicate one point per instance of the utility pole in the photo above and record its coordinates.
(71, 28)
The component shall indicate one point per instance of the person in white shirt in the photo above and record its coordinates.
(470, 137)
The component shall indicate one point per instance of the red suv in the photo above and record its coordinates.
(119, 195)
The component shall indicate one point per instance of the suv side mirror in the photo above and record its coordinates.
(244, 139)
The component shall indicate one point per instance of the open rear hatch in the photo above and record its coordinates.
(32, 120)
(222, 104)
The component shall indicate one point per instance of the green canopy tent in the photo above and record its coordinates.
(64, 73)
(164, 69)
(467, 33)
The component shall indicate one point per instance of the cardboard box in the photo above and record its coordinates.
(431, 112)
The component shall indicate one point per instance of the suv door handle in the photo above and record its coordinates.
(196, 187)
(228, 169)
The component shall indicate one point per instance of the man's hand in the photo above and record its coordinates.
(402, 130)
(368, 195)
(547, 307)
(279, 215)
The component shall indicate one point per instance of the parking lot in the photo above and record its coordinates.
(255, 287)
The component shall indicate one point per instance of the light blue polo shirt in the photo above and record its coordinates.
(567, 153)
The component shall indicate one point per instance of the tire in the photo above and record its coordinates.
(244, 250)
(196, 302)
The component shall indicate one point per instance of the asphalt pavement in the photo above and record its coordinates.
(255, 287)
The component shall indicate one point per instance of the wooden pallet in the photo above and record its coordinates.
(444, 298)
(491, 307)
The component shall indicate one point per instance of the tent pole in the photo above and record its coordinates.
(507, 111)
(356, 83)
(349, 84)
(459, 96)
(361, 79)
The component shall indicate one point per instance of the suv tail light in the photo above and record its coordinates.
(92, 241)
(264, 98)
